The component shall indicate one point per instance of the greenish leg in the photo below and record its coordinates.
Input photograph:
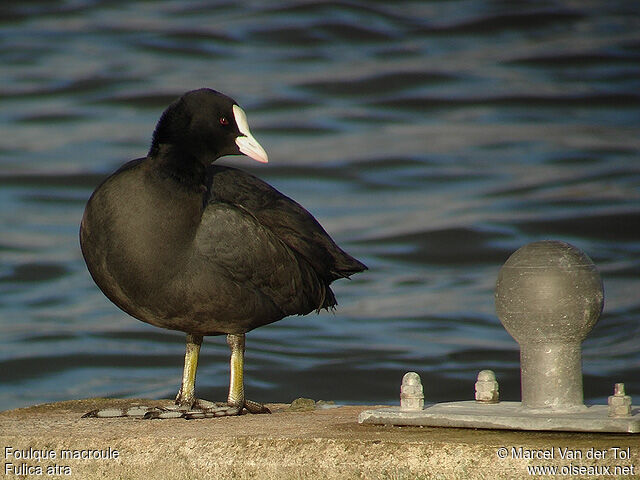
(188, 406)
(186, 395)
(236, 380)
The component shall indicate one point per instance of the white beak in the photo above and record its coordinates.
(246, 143)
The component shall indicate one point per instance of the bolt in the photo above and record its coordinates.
(619, 403)
(487, 387)
(411, 393)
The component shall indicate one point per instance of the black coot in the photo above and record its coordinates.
(208, 250)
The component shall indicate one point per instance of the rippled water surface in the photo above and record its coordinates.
(431, 139)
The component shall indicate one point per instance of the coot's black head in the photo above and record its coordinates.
(205, 124)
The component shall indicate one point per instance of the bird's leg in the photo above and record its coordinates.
(236, 369)
(187, 405)
(185, 402)
(186, 395)
(236, 398)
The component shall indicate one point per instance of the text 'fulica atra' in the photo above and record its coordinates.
(208, 250)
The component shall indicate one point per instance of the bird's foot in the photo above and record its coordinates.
(255, 407)
(197, 409)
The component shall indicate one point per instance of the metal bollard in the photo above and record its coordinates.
(549, 296)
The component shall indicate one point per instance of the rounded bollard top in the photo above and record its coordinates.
(549, 292)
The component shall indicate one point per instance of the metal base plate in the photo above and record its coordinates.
(505, 416)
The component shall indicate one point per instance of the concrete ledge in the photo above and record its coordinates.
(323, 443)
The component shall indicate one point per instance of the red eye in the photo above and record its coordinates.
(224, 121)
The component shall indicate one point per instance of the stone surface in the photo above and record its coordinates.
(324, 443)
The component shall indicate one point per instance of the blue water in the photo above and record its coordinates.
(431, 139)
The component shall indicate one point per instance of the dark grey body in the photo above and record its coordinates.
(225, 255)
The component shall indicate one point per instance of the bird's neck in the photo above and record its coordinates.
(186, 170)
